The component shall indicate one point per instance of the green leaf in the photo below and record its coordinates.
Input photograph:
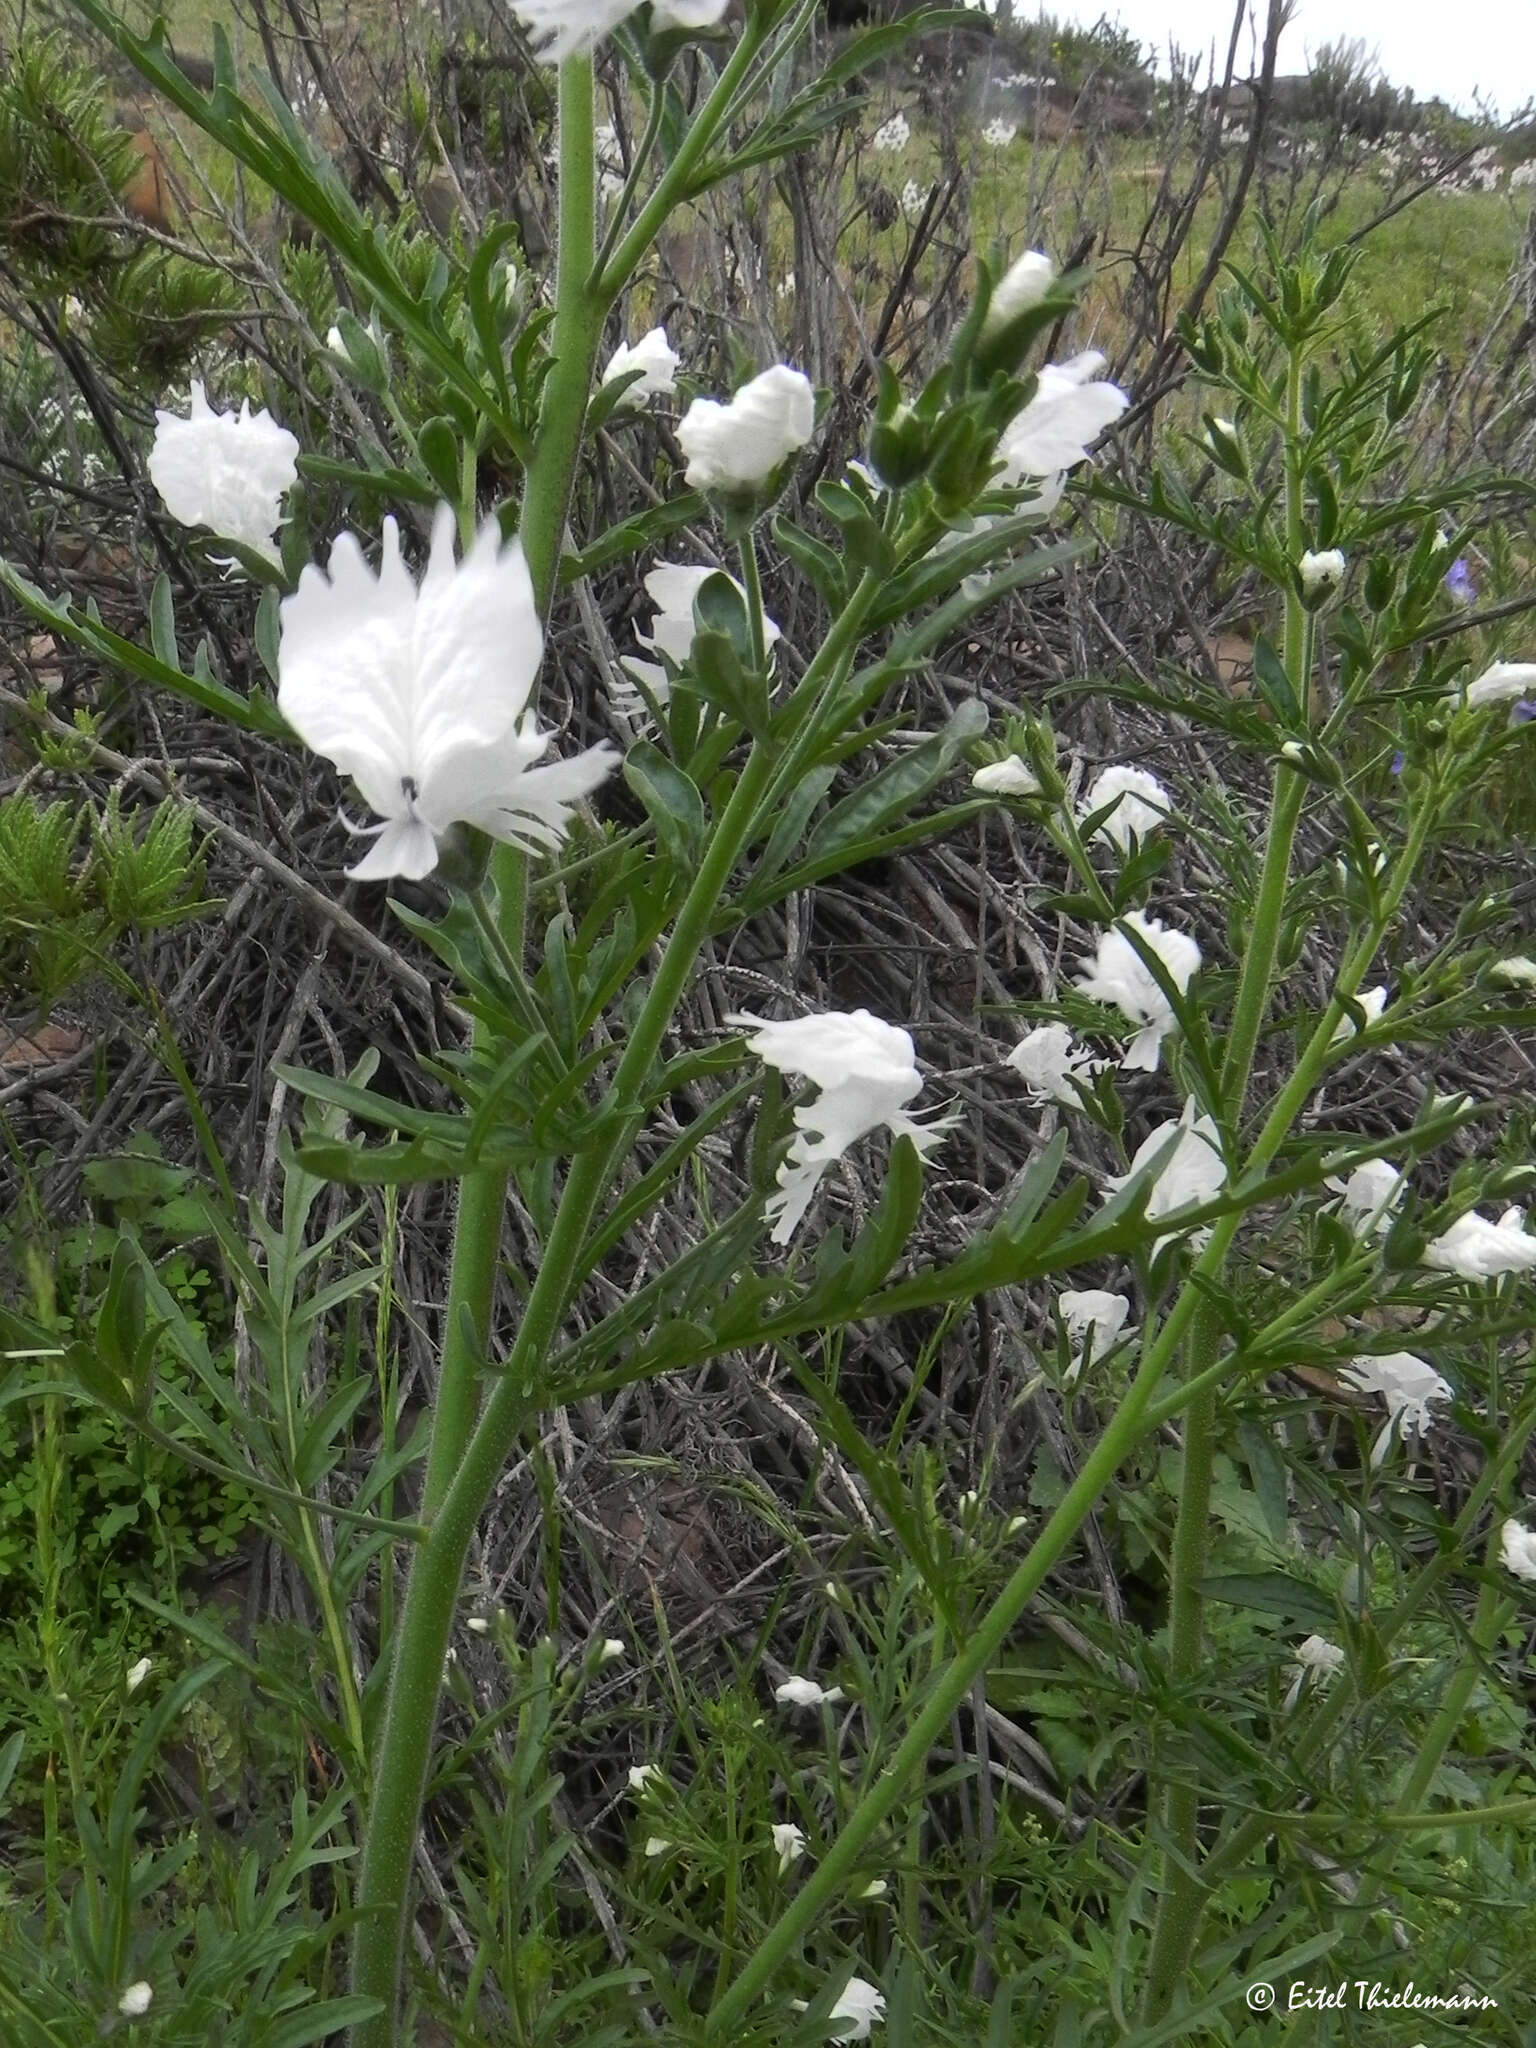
(1275, 1593)
(1274, 685)
(896, 788)
(162, 623)
(672, 802)
(438, 446)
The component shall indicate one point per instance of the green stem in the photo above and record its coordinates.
(672, 189)
(1181, 1891)
(579, 304)
(1126, 1429)
(426, 1622)
(378, 1953)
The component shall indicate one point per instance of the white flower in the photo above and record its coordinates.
(892, 136)
(1143, 805)
(1048, 1062)
(421, 696)
(999, 133)
(1010, 777)
(1093, 1308)
(1517, 1550)
(1480, 1250)
(656, 1845)
(224, 471)
(1516, 972)
(875, 1889)
(865, 1069)
(614, 1649)
(1408, 1384)
(1119, 975)
(1024, 284)
(1194, 1171)
(672, 587)
(735, 447)
(1321, 571)
(136, 1674)
(562, 28)
(805, 1692)
(478, 1625)
(861, 2005)
(136, 2000)
(789, 1842)
(1317, 1657)
(913, 200)
(1373, 1001)
(654, 357)
(641, 1775)
(1094, 1318)
(1070, 409)
(1369, 1195)
(1498, 684)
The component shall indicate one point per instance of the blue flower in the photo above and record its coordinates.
(1397, 762)
(1524, 711)
(1458, 581)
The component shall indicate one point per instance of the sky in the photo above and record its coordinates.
(1439, 50)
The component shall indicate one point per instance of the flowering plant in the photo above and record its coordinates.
(575, 895)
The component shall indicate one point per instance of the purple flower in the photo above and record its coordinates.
(1397, 762)
(1458, 581)
(1524, 711)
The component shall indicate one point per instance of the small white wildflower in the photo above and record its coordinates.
(1500, 683)
(657, 361)
(672, 588)
(860, 2005)
(613, 1649)
(1024, 284)
(1119, 975)
(641, 1775)
(1372, 1001)
(421, 695)
(1071, 407)
(1480, 1250)
(1143, 805)
(998, 134)
(736, 446)
(1408, 1385)
(136, 1674)
(656, 1845)
(224, 471)
(1093, 1318)
(1369, 1195)
(478, 1625)
(805, 1692)
(1011, 776)
(913, 201)
(1321, 571)
(892, 136)
(875, 1889)
(865, 1071)
(1514, 972)
(136, 2000)
(565, 28)
(1317, 1658)
(1048, 1062)
(1193, 1173)
(789, 1843)
(1517, 1550)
